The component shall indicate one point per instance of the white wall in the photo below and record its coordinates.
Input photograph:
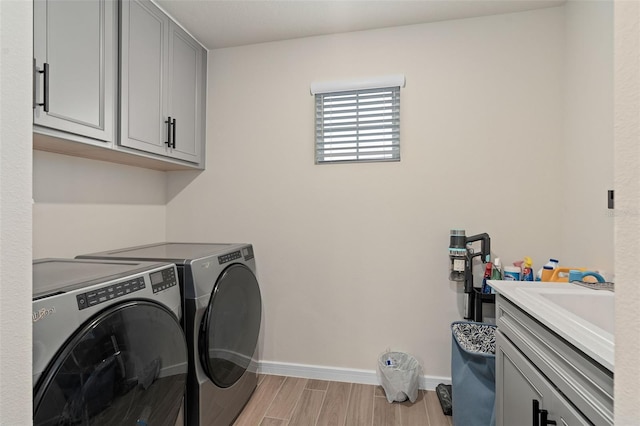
(587, 150)
(82, 206)
(627, 218)
(15, 212)
(353, 258)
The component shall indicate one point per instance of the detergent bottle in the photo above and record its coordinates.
(545, 273)
(561, 274)
(527, 269)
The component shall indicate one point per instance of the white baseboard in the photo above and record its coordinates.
(337, 374)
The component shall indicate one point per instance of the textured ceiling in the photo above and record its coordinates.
(228, 23)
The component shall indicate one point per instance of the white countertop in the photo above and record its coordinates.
(535, 298)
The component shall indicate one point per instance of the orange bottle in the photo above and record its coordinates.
(561, 275)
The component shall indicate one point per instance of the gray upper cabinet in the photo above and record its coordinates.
(75, 68)
(162, 85)
(119, 81)
(187, 77)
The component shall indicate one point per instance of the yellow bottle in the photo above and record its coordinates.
(527, 269)
(547, 273)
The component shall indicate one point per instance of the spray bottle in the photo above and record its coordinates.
(527, 269)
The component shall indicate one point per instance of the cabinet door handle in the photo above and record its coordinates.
(33, 93)
(174, 133)
(540, 417)
(45, 90)
(168, 123)
(543, 419)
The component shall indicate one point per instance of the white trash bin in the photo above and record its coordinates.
(399, 375)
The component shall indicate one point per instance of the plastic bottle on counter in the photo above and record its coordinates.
(547, 272)
(554, 263)
(496, 270)
(549, 266)
(486, 288)
(512, 273)
(527, 269)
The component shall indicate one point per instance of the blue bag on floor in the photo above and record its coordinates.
(473, 373)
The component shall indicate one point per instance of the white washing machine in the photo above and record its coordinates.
(108, 348)
(223, 310)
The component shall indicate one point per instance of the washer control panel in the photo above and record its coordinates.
(160, 280)
(247, 252)
(225, 258)
(110, 292)
(163, 279)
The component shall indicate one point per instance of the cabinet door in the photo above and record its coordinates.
(161, 85)
(187, 93)
(519, 384)
(143, 78)
(76, 40)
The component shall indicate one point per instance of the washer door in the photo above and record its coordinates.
(230, 327)
(128, 364)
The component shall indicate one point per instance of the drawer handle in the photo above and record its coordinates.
(168, 123)
(540, 417)
(173, 145)
(33, 82)
(45, 89)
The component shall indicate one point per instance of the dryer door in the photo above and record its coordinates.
(230, 327)
(126, 365)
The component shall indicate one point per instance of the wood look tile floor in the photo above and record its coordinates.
(291, 401)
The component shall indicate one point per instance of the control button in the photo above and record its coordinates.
(229, 257)
(82, 301)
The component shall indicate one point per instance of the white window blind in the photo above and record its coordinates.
(358, 125)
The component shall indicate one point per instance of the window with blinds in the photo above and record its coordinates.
(358, 125)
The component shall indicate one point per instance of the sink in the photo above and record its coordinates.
(582, 316)
(593, 306)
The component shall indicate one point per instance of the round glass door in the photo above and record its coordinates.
(126, 366)
(230, 326)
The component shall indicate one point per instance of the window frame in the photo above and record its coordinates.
(357, 122)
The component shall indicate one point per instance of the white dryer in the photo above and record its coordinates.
(107, 343)
(223, 310)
